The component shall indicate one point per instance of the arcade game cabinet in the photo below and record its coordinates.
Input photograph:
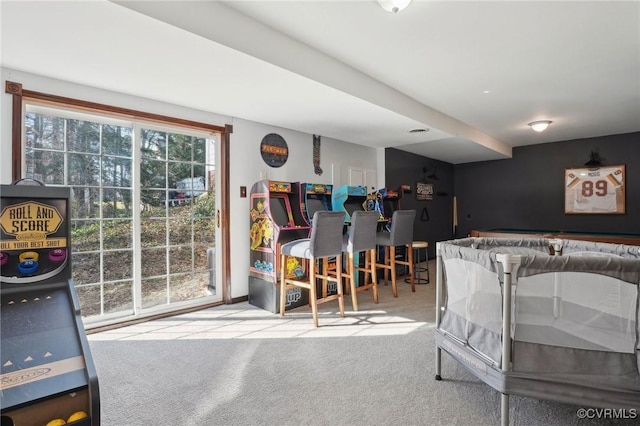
(389, 201)
(386, 201)
(47, 373)
(351, 199)
(275, 219)
(348, 199)
(315, 197)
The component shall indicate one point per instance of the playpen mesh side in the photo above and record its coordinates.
(578, 327)
(473, 311)
(574, 316)
(473, 307)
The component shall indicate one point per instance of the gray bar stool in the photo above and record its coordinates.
(400, 234)
(361, 238)
(325, 242)
(417, 246)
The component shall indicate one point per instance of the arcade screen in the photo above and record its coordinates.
(352, 205)
(314, 205)
(41, 352)
(279, 209)
(389, 205)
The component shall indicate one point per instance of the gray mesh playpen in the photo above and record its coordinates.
(570, 309)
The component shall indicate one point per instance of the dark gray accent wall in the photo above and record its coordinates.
(524, 192)
(434, 219)
(527, 191)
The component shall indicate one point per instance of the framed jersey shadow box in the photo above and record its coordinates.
(598, 190)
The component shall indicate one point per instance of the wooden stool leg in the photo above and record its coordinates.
(283, 285)
(411, 268)
(352, 280)
(372, 264)
(312, 291)
(387, 264)
(427, 262)
(313, 296)
(325, 272)
(367, 268)
(340, 293)
(308, 269)
(394, 288)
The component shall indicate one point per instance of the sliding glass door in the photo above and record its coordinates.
(177, 217)
(144, 208)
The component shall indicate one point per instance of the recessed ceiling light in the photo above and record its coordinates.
(418, 130)
(486, 91)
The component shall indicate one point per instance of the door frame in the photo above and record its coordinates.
(20, 96)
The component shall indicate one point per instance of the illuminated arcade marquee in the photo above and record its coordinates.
(315, 197)
(34, 240)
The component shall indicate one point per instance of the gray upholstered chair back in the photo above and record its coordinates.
(362, 234)
(401, 232)
(326, 234)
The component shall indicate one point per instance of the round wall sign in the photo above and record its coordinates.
(274, 150)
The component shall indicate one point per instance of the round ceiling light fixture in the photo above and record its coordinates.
(394, 6)
(540, 125)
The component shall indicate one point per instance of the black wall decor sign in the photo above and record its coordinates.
(424, 191)
(274, 150)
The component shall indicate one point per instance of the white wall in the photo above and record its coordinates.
(336, 157)
(247, 166)
(70, 90)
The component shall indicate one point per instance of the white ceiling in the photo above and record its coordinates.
(473, 73)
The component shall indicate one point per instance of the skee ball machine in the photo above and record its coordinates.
(275, 219)
(47, 370)
(315, 197)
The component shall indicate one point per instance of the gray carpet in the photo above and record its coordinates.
(309, 379)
